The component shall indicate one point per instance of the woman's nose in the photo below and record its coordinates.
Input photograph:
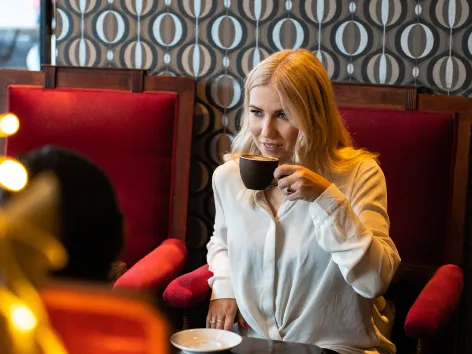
(269, 129)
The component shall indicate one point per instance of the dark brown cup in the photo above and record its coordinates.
(257, 171)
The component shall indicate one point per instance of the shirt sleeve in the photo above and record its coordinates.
(356, 232)
(217, 256)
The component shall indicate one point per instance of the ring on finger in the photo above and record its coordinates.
(220, 321)
(289, 190)
(212, 321)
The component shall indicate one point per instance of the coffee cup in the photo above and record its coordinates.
(257, 171)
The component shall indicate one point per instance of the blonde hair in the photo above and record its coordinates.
(324, 145)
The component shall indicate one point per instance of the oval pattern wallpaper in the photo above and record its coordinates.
(424, 43)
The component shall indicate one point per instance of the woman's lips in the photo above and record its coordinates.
(271, 147)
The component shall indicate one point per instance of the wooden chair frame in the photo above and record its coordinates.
(130, 80)
(424, 100)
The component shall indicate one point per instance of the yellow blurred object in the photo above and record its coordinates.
(9, 124)
(22, 318)
(13, 175)
(28, 250)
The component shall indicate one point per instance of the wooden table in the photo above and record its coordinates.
(262, 346)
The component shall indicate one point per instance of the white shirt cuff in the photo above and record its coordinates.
(222, 289)
(326, 203)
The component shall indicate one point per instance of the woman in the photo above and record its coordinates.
(303, 261)
(91, 223)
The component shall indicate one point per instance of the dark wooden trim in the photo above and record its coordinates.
(411, 98)
(85, 77)
(137, 81)
(50, 76)
(375, 96)
(186, 88)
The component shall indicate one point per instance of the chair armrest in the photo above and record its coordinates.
(189, 289)
(157, 269)
(436, 303)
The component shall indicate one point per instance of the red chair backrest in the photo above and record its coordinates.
(417, 154)
(131, 136)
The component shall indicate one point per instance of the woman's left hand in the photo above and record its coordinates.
(298, 182)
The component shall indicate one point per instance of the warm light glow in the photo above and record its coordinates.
(9, 124)
(22, 318)
(13, 175)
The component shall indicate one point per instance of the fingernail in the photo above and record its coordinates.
(244, 325)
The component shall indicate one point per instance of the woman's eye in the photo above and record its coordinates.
(282, 115)
(256, 113)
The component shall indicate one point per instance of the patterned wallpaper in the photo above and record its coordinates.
(423, 42)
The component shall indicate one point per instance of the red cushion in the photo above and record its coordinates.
(94, 320)
(189, 289)
(82, 331)
(416, 155)
(157, 269)
(436, 303)
(130, 135)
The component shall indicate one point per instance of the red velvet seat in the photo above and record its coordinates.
(417, 154)
(140, 139)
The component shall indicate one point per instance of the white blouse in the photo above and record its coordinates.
(312, 273)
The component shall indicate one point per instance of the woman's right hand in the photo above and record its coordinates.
(221, 314)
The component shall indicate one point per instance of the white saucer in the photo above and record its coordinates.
(205, 340)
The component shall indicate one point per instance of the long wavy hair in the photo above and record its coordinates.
(323, 145)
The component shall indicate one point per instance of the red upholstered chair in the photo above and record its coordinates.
(418, 156)
(137, 128)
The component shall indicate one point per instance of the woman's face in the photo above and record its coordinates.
(273, 134)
